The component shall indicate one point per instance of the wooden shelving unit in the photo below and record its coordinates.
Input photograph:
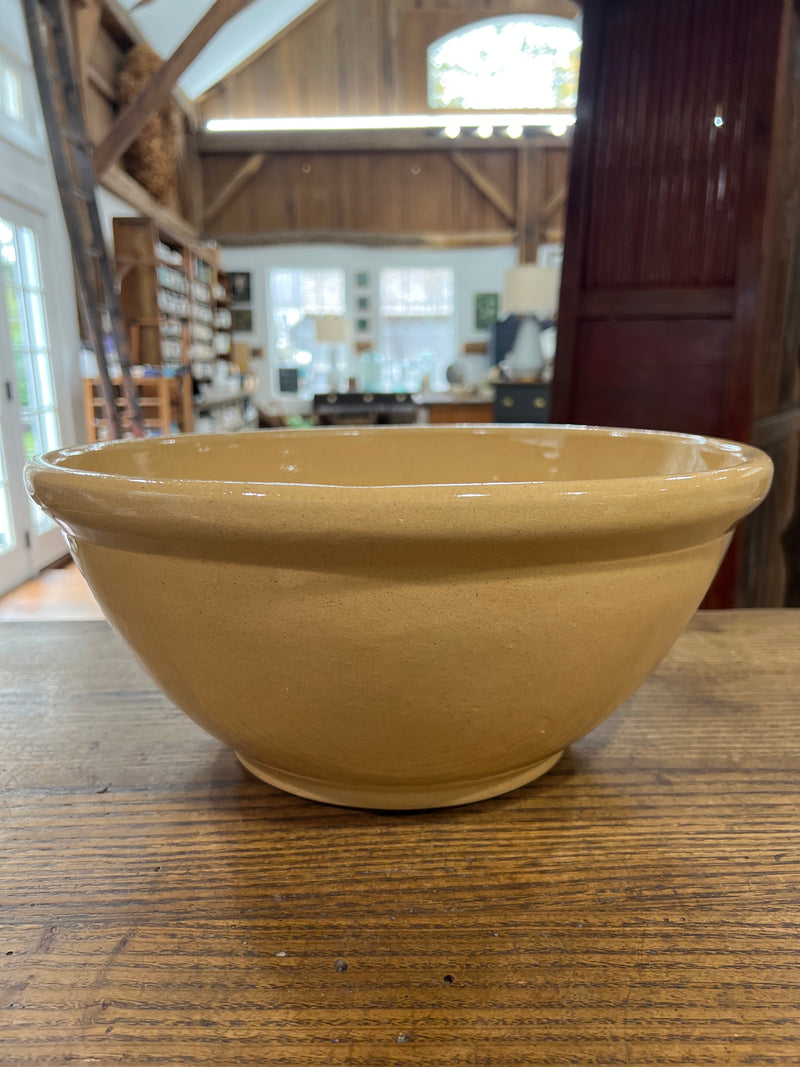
(170, 294)
(166, 404)
(176, 305)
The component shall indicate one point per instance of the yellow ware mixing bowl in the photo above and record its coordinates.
(401, 617)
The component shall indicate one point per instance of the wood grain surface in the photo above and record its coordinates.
(637, 905)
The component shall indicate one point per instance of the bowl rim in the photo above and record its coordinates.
(744, 453)
(702, 503)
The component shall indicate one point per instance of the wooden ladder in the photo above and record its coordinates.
(96, 282)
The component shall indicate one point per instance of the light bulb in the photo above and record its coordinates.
(485, 130)
(515, 131)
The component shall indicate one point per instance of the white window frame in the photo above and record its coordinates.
(432, 318)
(315, 363)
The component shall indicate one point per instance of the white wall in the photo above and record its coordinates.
(476, 270)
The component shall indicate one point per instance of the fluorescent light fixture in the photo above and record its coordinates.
(386, 122)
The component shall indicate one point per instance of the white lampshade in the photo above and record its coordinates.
(334, 329)
(530, 289)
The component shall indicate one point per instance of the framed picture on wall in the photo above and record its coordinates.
(362, 326)
(362, 303)
(240, 286)
(242, 320)
(487, 308)
(362, 279)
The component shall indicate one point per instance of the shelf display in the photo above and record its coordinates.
(170, 297)
(176, 303)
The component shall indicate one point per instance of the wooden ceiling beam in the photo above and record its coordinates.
(235, 184)
(485, 186)
(131, 120)
(126, 188)
(554, 203)
(120, 18)
(431, 239)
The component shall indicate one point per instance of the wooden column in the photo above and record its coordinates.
(530, 194)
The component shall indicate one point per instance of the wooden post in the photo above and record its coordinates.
(530, 189)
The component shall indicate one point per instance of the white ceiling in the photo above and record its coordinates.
(166, 22)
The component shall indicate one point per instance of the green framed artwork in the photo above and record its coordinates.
(242, 320)
(487, 308)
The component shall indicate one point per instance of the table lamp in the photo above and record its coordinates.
(334, 330)
(529, 292)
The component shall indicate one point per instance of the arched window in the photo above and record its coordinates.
(514, 62)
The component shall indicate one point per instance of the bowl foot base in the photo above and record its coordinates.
(398, 798)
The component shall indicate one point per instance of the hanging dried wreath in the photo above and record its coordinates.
(152, 159)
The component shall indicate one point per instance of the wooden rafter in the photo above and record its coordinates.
(243, 174)
(160, 86)
(126, 188)
(123, 21)
(554, 203)
(485, 186)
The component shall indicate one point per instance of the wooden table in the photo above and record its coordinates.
(638, 905)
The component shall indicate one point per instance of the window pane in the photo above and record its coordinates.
(515, 61)
(30, 436)
(19, 337)
(37, 327)
(416, 291)
(8, 254)
(12, 93)
(29, 257)
(6, 529)
(415, 349)
(45, 437)
(298, 297)
(50, 433)
(43, 375)
(26, 394)
(283, 288)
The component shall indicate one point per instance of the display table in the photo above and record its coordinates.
(639, 904)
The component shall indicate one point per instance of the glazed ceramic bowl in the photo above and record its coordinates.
(401, 617)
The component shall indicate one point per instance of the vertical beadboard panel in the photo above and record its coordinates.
(666, 182)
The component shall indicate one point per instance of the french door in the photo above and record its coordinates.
(29, 419)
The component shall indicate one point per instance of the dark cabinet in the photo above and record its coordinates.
(521, 402)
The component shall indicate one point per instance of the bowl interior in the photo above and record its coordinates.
(411, 456)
